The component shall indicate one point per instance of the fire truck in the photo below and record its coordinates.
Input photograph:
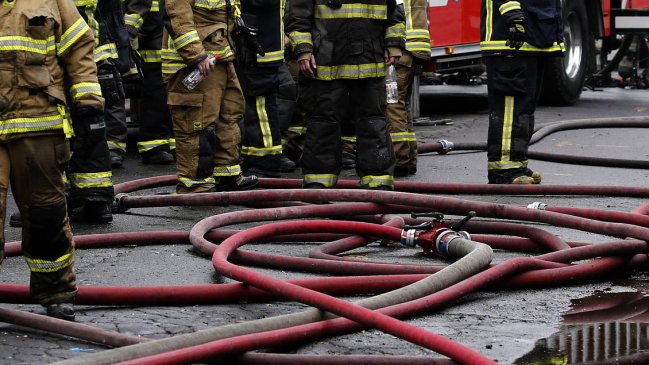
(594, 35)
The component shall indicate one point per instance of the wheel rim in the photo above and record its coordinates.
(574, 44)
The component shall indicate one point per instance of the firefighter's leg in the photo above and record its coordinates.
(5, 170)
(154, 118)
(91, 181)
(189, 113)
(230, 104)
(512, 87)
(375, 161)
(401, 127)
(325, 107)
(115, 115)
(37, 165)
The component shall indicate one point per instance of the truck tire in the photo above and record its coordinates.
(565, 76)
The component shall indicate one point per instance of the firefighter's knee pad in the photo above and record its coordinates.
(206, 150)
(373, 144)
(46, 231)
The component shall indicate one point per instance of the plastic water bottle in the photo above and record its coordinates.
(195, 77)
(391, 89)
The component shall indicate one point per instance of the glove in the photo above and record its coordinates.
(89, 129)
(517, 36)
(247, 46)
(110, 82)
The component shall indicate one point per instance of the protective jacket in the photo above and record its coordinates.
(134, 13)
(542, 22)
(266, 16)
(417, 33)
(196, 28)
(45, 63)
(348, 41)
(150, 36)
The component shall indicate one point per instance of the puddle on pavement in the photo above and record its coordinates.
(605, 328)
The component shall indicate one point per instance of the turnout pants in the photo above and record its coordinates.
(402, 130)
(152, 113)
(205, 127)
(116, 130)
(514, 84)
(329, 104)
(34, 166)
(261, 147)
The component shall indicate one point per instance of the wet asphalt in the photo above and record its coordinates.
(520, 326)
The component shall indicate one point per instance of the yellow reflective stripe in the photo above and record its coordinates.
(172, 143)
(417, 33)
(418, 46)
(509, 6)
(83, 88)
(505, 165)
(33, 124)
(350, 139)
(112, 145)
(348, 11)
(145, 146)
(403, 137)
(40, 265)
(271, 57)
(297, 130)
(172, 68)
(489, 22)
(134, 20)
(224, 53)
(85, 2)
(108, 50)
(19, 43)
(210, 4)
(264, 124)
(508, 126)
(72, 34)
(300, 38)
(8, 4)
(155, 6)
(328, 180)
(261, 151)
(151, 56)
(398, 30)
(192, 182)
(185, 39)
(374, 181)
(502, 45)
(92, 180)
(224, 171)
(351, 71)
(170, 54)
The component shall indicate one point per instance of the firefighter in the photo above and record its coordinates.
(261, 147)
(342, 50)
(516, 38)
(126, 30)
(204, 118)
(417, 51)
(90, 176)
(46, 71)
(155, 142)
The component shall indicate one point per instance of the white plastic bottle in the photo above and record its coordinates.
(195, 77)
(391, 89)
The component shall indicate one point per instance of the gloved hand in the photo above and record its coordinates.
(110, 81)
(89, 129)
(517, 36)
(248, 47)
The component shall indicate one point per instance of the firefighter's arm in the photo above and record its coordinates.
(511, 10)
(299, 18)
(417, 33)
(395, 32)
(134, 12)
(182, 29)
(74, 47)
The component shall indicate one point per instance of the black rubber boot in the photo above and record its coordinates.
(237, 183)
(63, 311)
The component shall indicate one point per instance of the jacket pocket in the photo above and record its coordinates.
(35, 77)
(542, 25)
(186, 111)
(39, 24)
